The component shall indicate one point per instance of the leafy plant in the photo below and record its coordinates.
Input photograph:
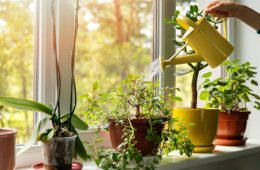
(94, 102)
(194, 14)
(65, 125)
(136, 98)
(233, 92)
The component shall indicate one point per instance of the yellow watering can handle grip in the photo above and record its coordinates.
(185, 23)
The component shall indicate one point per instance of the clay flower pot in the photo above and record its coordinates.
(202, 126)
(231, 128)
(7, 148)
(141, 125)
(58, 153)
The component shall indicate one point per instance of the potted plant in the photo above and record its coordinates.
(196, 119)
(62, 138)
(95, 116)
(231, 94)
(137, 125)
(7, 145)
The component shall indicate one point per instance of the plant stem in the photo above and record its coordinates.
(73, 91)
(58, 76)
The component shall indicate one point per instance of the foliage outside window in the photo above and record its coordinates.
(16, 62)
(112, 44)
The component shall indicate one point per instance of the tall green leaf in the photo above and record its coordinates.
(26, 105)
(79, 147)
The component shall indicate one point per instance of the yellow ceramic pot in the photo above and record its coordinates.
(202, 126)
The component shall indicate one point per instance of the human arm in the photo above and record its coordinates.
(233, 9)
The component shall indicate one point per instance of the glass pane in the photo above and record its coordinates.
(114, 40)
(16, 62)
(184, 82)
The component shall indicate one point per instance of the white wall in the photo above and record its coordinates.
(248, 49)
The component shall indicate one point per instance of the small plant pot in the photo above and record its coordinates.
(58, 153)
(231, 128)
(141, 125)
(7, 148)
(202, 126)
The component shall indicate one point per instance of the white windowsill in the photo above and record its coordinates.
(224, 158)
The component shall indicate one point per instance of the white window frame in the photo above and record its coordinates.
(45, 79)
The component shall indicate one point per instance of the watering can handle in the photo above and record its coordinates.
(185, 23)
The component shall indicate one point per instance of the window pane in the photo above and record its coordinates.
(114, 40)
(16, 62)
(184, 82)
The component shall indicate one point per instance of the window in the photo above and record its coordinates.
(115, 39)
(17, 62)
(111, 44)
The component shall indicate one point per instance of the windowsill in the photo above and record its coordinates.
(223, 158)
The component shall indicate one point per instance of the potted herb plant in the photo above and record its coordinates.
(137, 126)
(231, 94)
(95, 116)
(60, 142)
(7, 145)
(196, 119)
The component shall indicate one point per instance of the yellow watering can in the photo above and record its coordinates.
(205, 40)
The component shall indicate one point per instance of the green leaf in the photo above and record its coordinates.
(175, 98)
(26, 105)
(191, 8)
(196, 8)
(39, 126)
(254, 82)
(204, 95)
(76, 122)
(95, 86)
(222, 83)
(79, 147)
(207, 75)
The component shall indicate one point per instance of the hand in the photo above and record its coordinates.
(223, 9)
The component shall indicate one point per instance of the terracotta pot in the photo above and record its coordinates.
(202, 126)
(75, 166)
(58, 153)
(231, 128)
(141, 125)
(7, 149)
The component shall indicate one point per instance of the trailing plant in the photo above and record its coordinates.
(233, 92)
(63, 125)
(194, 14)
(137, 99)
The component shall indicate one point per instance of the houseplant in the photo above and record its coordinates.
(231, 94)
(62, 138)
(199, 118)
(7, 145)
(136, 124)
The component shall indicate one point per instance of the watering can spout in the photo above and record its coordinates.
(182, 60)
(205, 40)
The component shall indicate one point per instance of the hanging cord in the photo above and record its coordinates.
(58, 76)
(73, 89)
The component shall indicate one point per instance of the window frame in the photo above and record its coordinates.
(44, 79)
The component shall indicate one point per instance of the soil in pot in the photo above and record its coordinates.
(58, 153)
(141, 125)
(231, 128)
